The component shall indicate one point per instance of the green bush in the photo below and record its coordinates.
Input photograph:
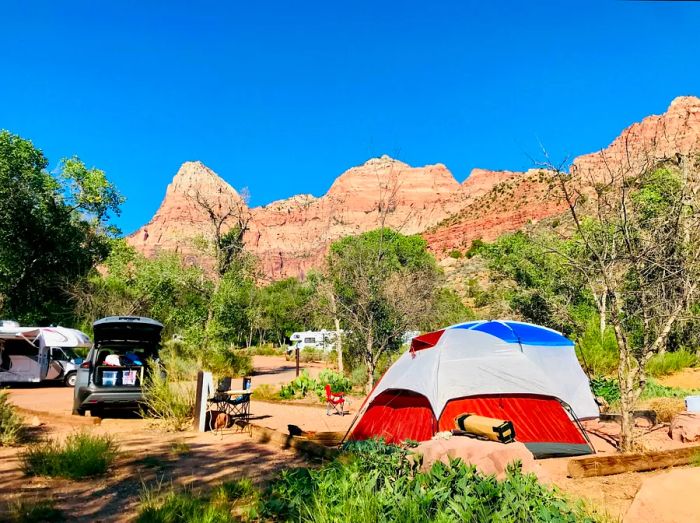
(304, 385)
(372, 481)
(81, 455)
(598, 354)
(670, 362)
(609, 389)
(170, 403)
(358, 377)
(375, 482)
(11, 425)
(456, 254)
(229, 362)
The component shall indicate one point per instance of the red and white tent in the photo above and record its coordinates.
(501, 369)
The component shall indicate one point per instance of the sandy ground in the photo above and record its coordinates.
(148, 457)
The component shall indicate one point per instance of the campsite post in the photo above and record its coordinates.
(297, 352)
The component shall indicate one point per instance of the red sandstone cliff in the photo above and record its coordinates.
(517, 201)
(290, 236)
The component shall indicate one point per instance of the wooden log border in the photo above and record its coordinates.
(638, 462)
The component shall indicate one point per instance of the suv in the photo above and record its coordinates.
(114, 369)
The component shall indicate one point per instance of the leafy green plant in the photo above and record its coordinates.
(81, 455)
(456, 254)
(11, 426)
(170, 403)
(232, 501)
(376, 482)
(304, 385)
(607, 388)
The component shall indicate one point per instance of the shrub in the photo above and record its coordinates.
(265, 350)
(666, 408)
(670, 362)
(371, 481)
(11, 425)
(81, 455)
(231, 501)
(299, 387)
(609, 389)
(456, 254)
(358, 377)
(304, 385)
(266, 392)
(375, 482)
(24, 512)
(229, 362)
(170, 403)
(598, 354)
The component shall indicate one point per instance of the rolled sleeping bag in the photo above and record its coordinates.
(492, 429)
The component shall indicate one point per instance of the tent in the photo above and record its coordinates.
(502, 369)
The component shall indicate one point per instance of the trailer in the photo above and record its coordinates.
(36, 354)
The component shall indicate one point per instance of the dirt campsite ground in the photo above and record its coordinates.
(154, 459)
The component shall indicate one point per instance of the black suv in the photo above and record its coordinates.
(111, 375)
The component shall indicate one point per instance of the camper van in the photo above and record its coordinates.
(319, 340)
(35, 354)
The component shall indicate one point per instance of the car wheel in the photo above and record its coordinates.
(71, 379)
(78, 412)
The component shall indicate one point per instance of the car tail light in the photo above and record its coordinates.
(85, 365)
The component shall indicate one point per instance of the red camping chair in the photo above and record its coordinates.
(335, 401)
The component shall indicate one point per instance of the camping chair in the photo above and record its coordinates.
(239, 407)
(335, 401)
(219, 399)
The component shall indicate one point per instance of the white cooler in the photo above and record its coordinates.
(692, 403)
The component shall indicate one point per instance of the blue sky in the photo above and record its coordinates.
(282, 97)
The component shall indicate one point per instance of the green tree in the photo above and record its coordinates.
(384, 284)
(637, 243)
(285, 308)
(164, 288)
(537, 283)
(53, 229)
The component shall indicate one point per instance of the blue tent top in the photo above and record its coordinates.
(518, 332)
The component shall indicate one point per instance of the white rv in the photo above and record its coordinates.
(34, 354)
(319, 340)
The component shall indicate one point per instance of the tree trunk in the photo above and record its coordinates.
(602, 312)
(370, 362)
(339, 344)
(625, 377)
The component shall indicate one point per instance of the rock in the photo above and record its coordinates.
(685, 427)
(489, 457)
(291, 236)
(670, 497)
(643, 423)
(35, 422)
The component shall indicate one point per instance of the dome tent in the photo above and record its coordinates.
(502, 369)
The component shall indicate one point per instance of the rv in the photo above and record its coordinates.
(35, 354)
(319, 340)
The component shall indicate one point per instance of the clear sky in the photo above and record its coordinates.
(282, 97)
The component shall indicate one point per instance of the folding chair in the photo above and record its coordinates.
(219, 400)
(335, 402)
(239, 407)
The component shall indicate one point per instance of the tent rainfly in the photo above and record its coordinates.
(521, 372)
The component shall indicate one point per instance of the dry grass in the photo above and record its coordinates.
(665, 408)
(266, 392)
